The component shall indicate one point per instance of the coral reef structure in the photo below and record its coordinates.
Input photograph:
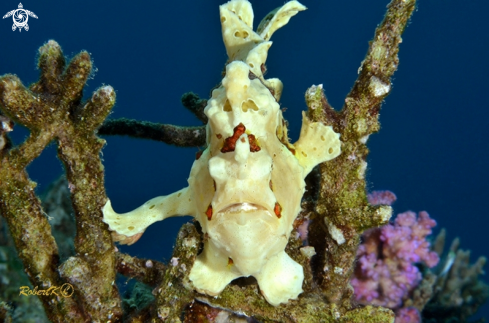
(452, 291)
(399, 268)
(245, 188)
(53, 110)
(386, 272)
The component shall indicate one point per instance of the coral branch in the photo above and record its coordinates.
(29, 150)
(51, 109)
(176, 291)
(74, 79)
(79, 149)
(147, 271)
(170, 134)
(32, 236)
(19, 104)
(94, 112)
(196, 105)
(51, 63)
(5, 311)
(342, 204)
(456, 291)
(362, 105)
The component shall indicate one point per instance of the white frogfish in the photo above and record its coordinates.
(245, 189)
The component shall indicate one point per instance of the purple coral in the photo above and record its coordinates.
(381, 197)
(407, 315)
(386, 271)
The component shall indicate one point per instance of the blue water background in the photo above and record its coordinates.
(432, 150)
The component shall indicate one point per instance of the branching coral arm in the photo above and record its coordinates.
(169, 134)
(342, 204)
(52, 110)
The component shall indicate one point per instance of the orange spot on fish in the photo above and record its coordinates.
(230, 142)
(209, 212)
(277, 210)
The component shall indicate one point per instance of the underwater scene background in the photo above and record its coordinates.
(432, 149)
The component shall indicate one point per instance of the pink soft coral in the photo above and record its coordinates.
(407, 315)
(381, 197)
(386, 271)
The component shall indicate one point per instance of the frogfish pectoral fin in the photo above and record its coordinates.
(129, 227)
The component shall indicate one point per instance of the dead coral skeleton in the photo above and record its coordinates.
(452, 289)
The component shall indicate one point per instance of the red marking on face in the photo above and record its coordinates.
(253, 143)
(209, 212)
(277, 210)
(230, 142)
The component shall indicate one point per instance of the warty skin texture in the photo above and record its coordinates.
(246, 188)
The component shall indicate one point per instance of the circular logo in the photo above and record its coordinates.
(20, 17)
(67, 290)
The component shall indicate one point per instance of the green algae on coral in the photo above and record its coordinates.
(53, 111)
